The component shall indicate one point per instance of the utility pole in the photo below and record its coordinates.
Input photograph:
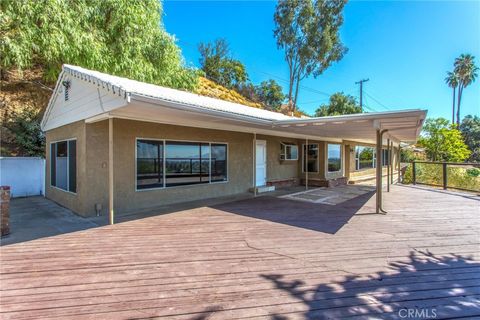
(361, 91)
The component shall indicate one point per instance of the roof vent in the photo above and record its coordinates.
(67, 85)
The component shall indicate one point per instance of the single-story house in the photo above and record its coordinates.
(119, 145)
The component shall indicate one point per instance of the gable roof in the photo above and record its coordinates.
(100, 96)
(133, 87)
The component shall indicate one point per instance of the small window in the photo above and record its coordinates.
(219, 162)
(63, 165)
(310, 158)
(364, 157)
(334, 153)
(288, 151)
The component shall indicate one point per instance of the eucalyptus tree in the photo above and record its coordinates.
(452, 82)
(122, 37)
(467, 72)
(308, 32)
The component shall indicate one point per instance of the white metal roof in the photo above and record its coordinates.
(98, 96)
(133, 87)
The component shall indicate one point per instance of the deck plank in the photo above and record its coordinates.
(258, 258)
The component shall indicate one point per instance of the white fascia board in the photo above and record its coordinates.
(51, 101)
(357, 117)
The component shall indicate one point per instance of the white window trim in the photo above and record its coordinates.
(284, 154)
(68, 164)
(210, 182)
(303, 157)
(374, 158)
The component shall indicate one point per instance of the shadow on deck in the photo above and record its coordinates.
(425, 286)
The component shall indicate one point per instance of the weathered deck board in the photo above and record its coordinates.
(259, 258)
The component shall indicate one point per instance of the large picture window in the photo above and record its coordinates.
(310, 158)
(63, 165)
(175, 163)
(334, 154)
(187, 163)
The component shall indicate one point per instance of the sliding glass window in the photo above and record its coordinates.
(63, 165)
(149, 164)
(177, 163)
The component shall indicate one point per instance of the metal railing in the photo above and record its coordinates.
(447, 175)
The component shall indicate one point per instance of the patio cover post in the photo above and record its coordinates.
(378, 204)
(305, 163)
(110, 171)
(391, 162)
(254, 164)
(399, 163)
(388, 165)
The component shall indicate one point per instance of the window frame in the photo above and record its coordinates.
(283, 154)
(357, 159)
(68, 164)
(303, 157)
(340, 170)
(164, 141)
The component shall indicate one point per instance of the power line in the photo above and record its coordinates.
(381, 104)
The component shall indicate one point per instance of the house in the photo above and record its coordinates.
(118, 145)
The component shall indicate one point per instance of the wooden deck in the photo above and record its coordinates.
(260, 258)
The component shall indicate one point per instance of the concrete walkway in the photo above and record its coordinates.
(36, 217)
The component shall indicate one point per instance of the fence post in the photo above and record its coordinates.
(445, 179)
(414, 175)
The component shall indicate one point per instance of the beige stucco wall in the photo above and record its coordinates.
(279, 169)
(92, 165)
(127, 199)
(76, 201)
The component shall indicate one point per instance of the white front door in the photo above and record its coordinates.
(261, 163)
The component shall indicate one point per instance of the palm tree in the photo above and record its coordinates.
(466, 70)
(452, 82)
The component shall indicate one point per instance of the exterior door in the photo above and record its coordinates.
(261, 163)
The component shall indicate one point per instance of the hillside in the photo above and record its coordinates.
(209, 88)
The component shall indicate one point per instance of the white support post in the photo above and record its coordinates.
(392, 164)
(306, 163)
(388, 165)
(254, 164)
(378, 204)
(110, 171)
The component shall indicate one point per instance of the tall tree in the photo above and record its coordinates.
(452, 82)
(467, 72)
(121, 37)
(442, 141)
(470, 128)
(219, 66)
(308, 32)
(270, 94)
(339, 104)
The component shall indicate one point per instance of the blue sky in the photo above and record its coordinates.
(404, 48)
